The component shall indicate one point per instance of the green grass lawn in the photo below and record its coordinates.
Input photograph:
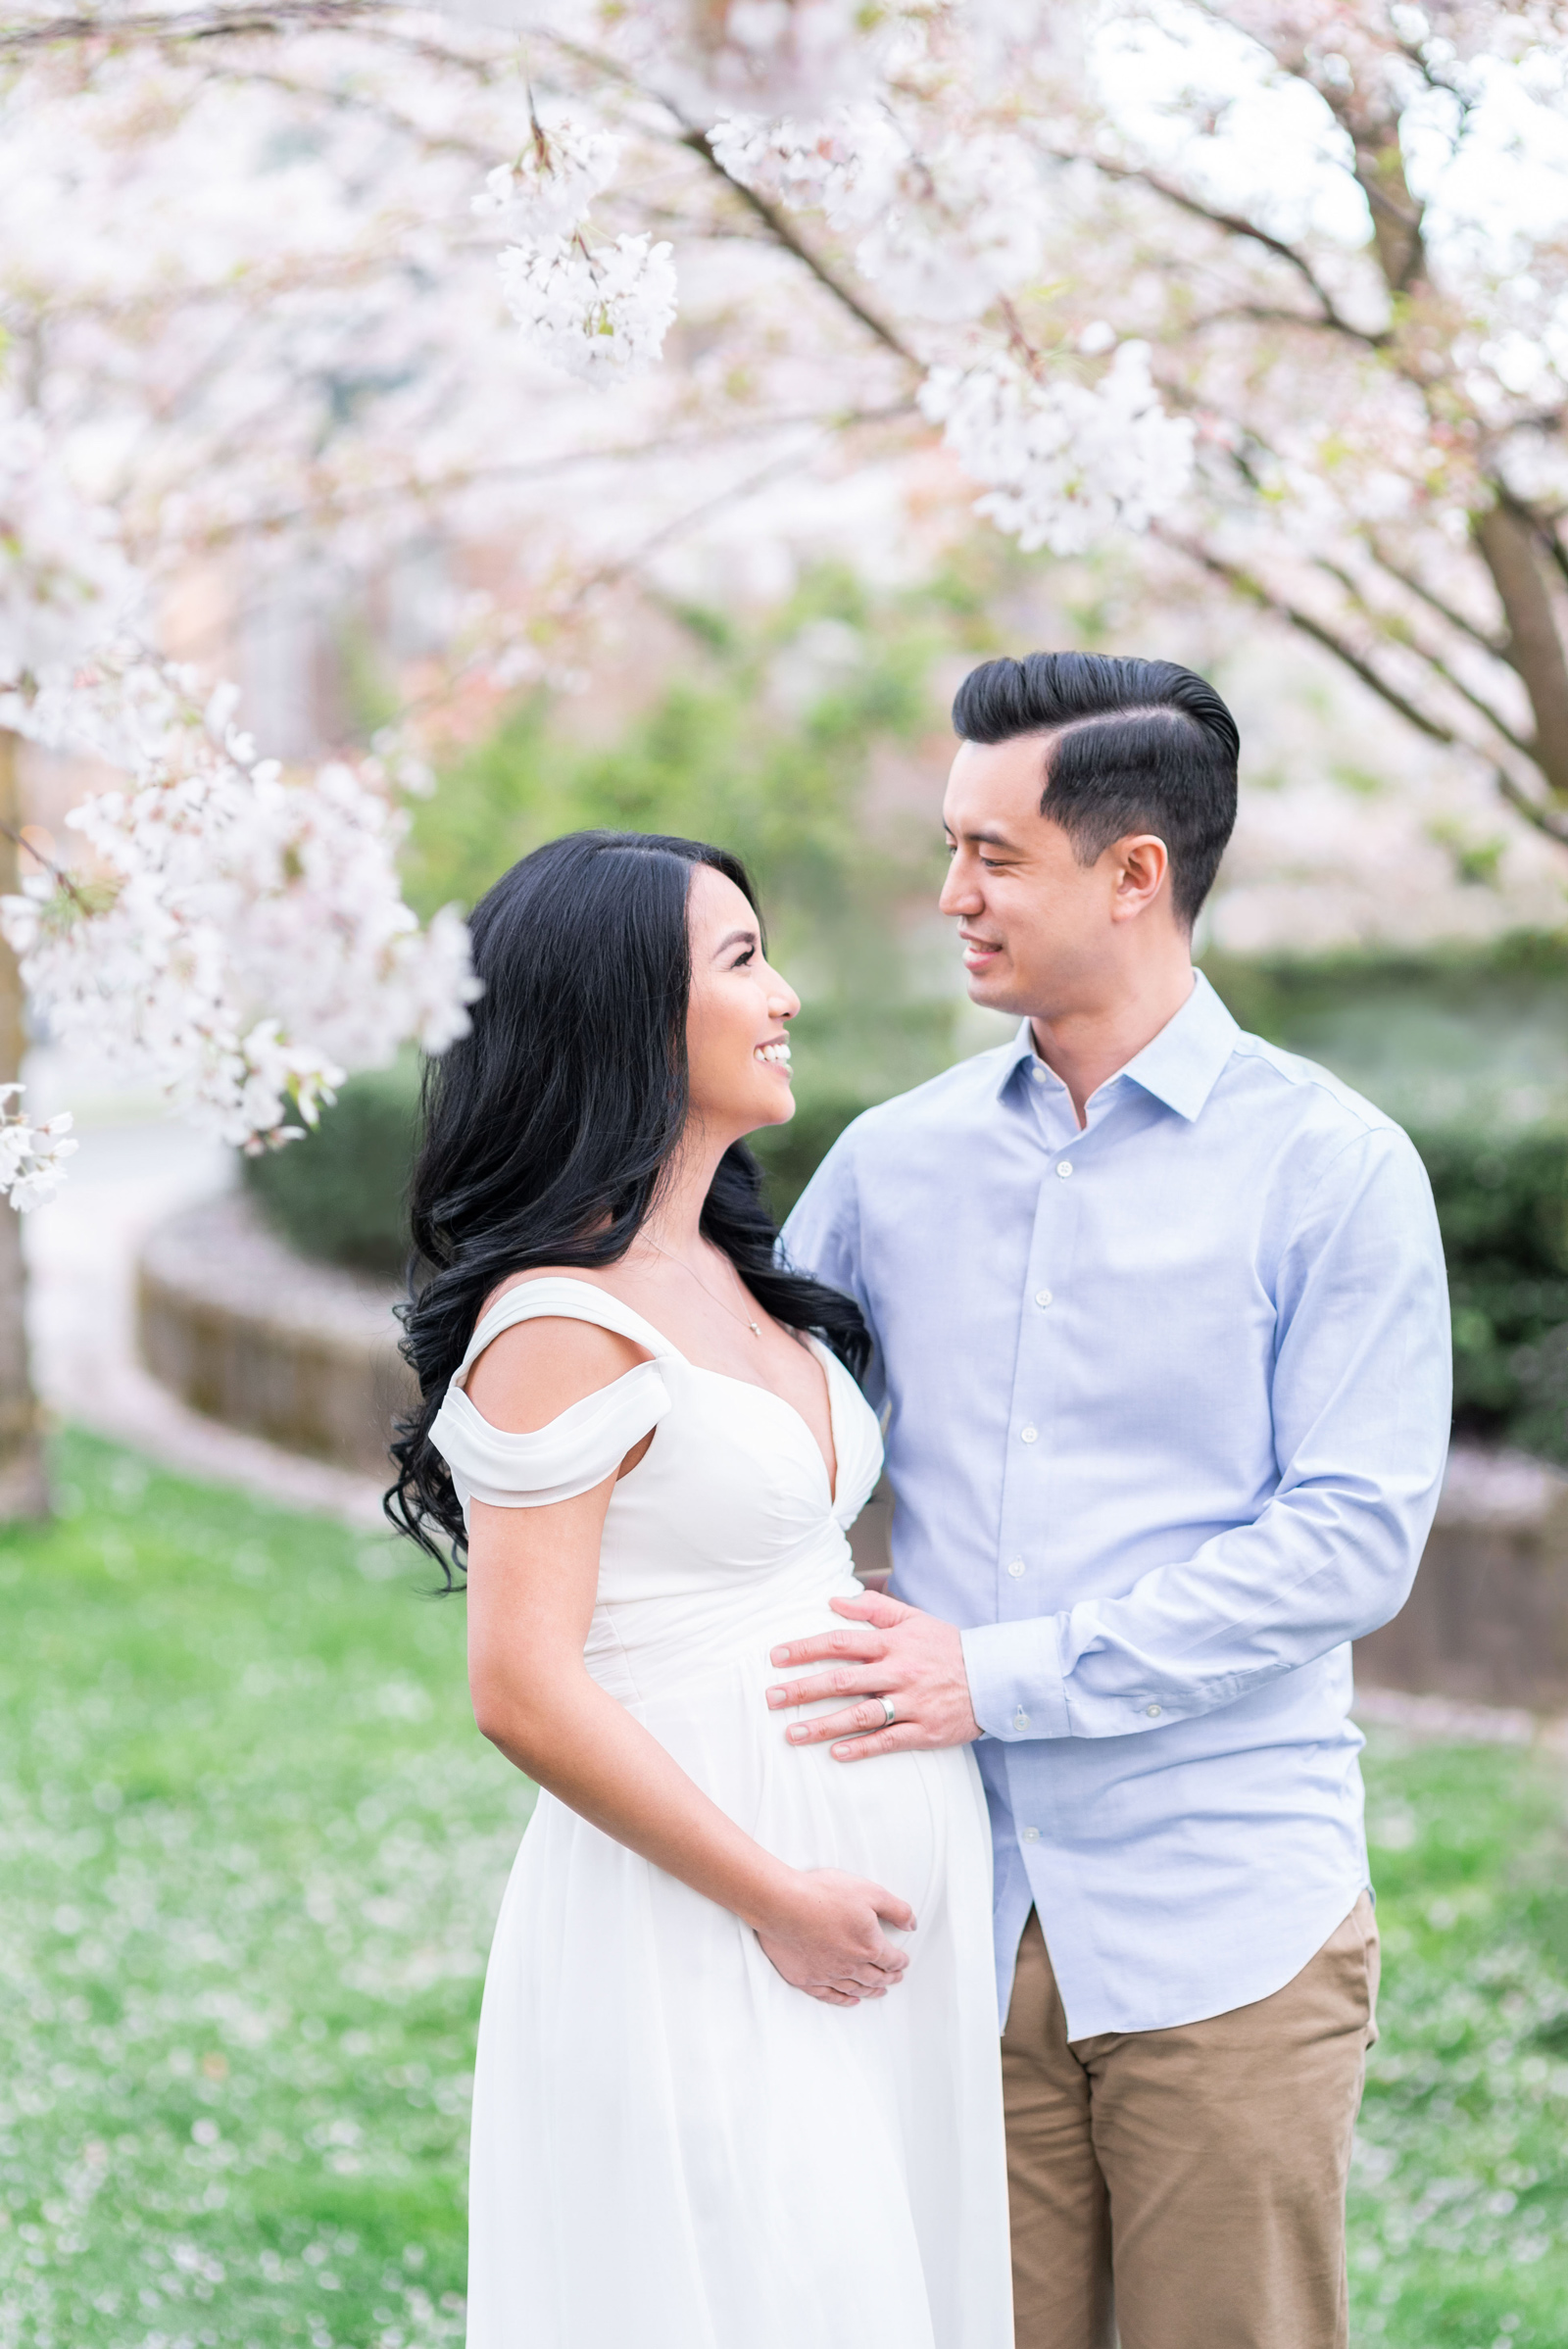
(250, 1850)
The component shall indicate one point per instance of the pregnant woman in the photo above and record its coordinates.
(738, 2082)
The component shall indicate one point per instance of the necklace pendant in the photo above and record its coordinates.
(755, 1328)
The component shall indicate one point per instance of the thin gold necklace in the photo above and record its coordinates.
(755, 1326)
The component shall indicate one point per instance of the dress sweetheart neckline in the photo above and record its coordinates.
(823, 1354)
(774, 1394)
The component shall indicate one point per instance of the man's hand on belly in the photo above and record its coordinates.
(913, 1658)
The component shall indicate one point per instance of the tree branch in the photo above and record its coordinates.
(349, 100)
(1444, 610)
(1233, 224)
(1534, 811)
(779, 229)
(1263, 314)
(1541, 814)
(419, 493)
(57, 872)
(1246, 583)
(621, 565)
(1432, 661)
(157, 27)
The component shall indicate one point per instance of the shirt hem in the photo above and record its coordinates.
(1096, 2025)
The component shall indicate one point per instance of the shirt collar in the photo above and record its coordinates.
(1180, 1066)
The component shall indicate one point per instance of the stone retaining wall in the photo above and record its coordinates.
(242, 1329)
(1488, 1619)
(304, 1355)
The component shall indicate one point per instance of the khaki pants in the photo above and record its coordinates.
(1185, 2188)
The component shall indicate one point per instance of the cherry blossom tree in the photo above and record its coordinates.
(253, 284)
(335, 288)
(1343, 227)
(311, 363)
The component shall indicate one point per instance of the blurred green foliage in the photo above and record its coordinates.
(1502, 1205)
(767, 742)
(771, 739)
(340, 1192)
(1468, 1048)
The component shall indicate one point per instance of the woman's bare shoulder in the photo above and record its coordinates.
(530, 1373)
(542, 1272)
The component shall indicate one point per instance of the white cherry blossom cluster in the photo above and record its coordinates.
(549, 190)
(600, 312)
(31, 1157)
(234, 933)
(65, 583)
(1065, 461)
(596, 310)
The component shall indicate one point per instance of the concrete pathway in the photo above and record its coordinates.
(82, 1255)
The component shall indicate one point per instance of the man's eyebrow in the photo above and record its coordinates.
(987, 836)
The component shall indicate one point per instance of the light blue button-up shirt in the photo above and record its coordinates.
(1169, 1409)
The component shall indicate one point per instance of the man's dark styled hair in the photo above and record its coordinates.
(1132, 746)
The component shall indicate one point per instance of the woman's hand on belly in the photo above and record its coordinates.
(828, 1939)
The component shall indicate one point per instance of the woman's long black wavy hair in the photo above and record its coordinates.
(547, 1128)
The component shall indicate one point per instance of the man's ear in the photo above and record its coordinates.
(1142, 871)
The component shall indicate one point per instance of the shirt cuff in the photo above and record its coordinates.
(1015, 1683)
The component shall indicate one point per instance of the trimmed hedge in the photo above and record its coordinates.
(1502, 1206)
(341, 1194)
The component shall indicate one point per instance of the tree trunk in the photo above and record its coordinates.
(1508, 547)
(23, 1487)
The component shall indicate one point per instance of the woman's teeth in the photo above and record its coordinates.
(777, 1054)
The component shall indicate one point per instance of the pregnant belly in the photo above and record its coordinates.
(891, 1817)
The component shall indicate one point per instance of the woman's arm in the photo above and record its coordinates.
(532, 1579)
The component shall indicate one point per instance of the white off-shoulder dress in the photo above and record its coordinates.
(672, 2148)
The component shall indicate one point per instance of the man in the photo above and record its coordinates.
(1162, 1322)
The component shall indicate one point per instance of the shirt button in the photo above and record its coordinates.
(1153, 1711)
(1038, 1073)
(1021, 1719)
(1029, 1435)
(1041, 1297)
(1031, 1835)
(1064, 1168)
(1016, 1565)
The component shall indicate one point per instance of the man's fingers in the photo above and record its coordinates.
(859, 1731)
(902, 1738)
(827, 1726)
(854, 1647)
(849, 1680)
(872, 1606)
